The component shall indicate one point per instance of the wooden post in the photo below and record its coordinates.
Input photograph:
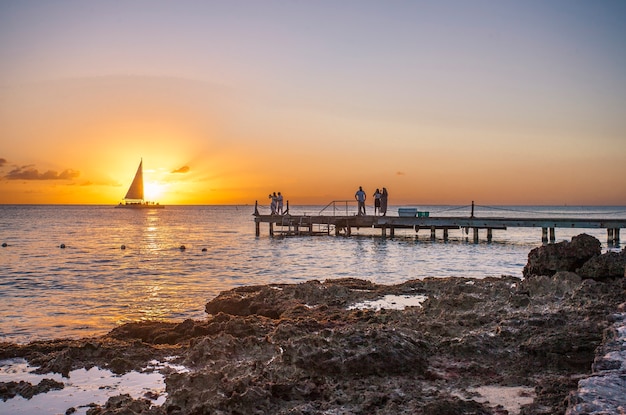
(256, 208)
(475, 235)
(610, 236)
(544, 235)
(383, 231)
(271, 228)
(616, 236)
(489, 234)
(392, 231)
(257, 228)
(432, 232)
(445, 234)
(552, 236)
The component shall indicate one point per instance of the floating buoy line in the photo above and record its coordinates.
(122, 247)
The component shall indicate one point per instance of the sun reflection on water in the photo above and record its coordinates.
(92, 286)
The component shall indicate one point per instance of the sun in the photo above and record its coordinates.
(153, 191)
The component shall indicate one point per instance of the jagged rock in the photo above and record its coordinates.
(275, 299)
(352, 351)
(155, 332)
(607, 265)
(604, 391)
(27, 390)
(126, 405)
(299, 349)
(562, 256)
(561, 284)
(455, 406)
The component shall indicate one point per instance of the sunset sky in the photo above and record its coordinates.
(442, 102)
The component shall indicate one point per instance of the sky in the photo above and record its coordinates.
(446, 102)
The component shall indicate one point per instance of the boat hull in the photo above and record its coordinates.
(139, 206)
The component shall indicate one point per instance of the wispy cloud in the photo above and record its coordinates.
(183, 169)
(3, 162)
(400, 173)
(31, 173)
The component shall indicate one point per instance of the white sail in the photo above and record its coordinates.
(135, 191)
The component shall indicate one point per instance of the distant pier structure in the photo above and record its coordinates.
(333, 220)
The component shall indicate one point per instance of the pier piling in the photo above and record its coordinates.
(288, 224)
(613, 236)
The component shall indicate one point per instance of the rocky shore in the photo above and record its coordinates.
(550, 343)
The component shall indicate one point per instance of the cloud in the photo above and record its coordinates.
(183, 169)
(31, 173)
(400, 173)
(3, 162)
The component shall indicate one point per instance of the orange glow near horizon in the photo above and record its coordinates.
(517, 105)
(236, 180)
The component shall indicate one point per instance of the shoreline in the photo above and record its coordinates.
(491, 346)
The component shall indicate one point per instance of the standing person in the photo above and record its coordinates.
(279, 200)
(360, 197)
(383, 202)
(273, 203)
(377, 196)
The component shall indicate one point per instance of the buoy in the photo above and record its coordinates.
(62, 246)
(123, 247)
(203, 249)
(4, 245)
(182, 247)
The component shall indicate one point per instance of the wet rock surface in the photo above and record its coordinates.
(604, 392)
(299, 349)
(27, 390)
(562, 256)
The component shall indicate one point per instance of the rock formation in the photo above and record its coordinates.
(302, 348)
(562, 256)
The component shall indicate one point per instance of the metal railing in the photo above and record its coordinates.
(334, 205)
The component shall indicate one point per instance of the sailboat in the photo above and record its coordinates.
(134, 197)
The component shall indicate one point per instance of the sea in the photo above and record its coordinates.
(73, 271)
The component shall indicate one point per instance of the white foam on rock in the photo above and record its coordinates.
(511, 398)
(604, 391)
(390, 302)
(81, 388)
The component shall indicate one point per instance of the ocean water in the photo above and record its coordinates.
(92, 285)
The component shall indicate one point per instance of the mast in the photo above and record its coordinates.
(135, 191)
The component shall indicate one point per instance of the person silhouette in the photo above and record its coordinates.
(279, 204)
(384, 197)
(360, 198)
(273, 203)
(377, 196)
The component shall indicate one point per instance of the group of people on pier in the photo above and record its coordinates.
(380, 201)
(276, 205)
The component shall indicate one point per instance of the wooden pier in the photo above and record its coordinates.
(288, 224)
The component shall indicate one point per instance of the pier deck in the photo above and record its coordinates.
(342, 225)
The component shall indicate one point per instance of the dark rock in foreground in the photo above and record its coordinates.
(604, 392)
(302, 348)
(27, 390)
(562, 256)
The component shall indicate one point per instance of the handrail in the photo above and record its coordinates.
(334, 205)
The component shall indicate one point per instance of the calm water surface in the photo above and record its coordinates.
(93, 285)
